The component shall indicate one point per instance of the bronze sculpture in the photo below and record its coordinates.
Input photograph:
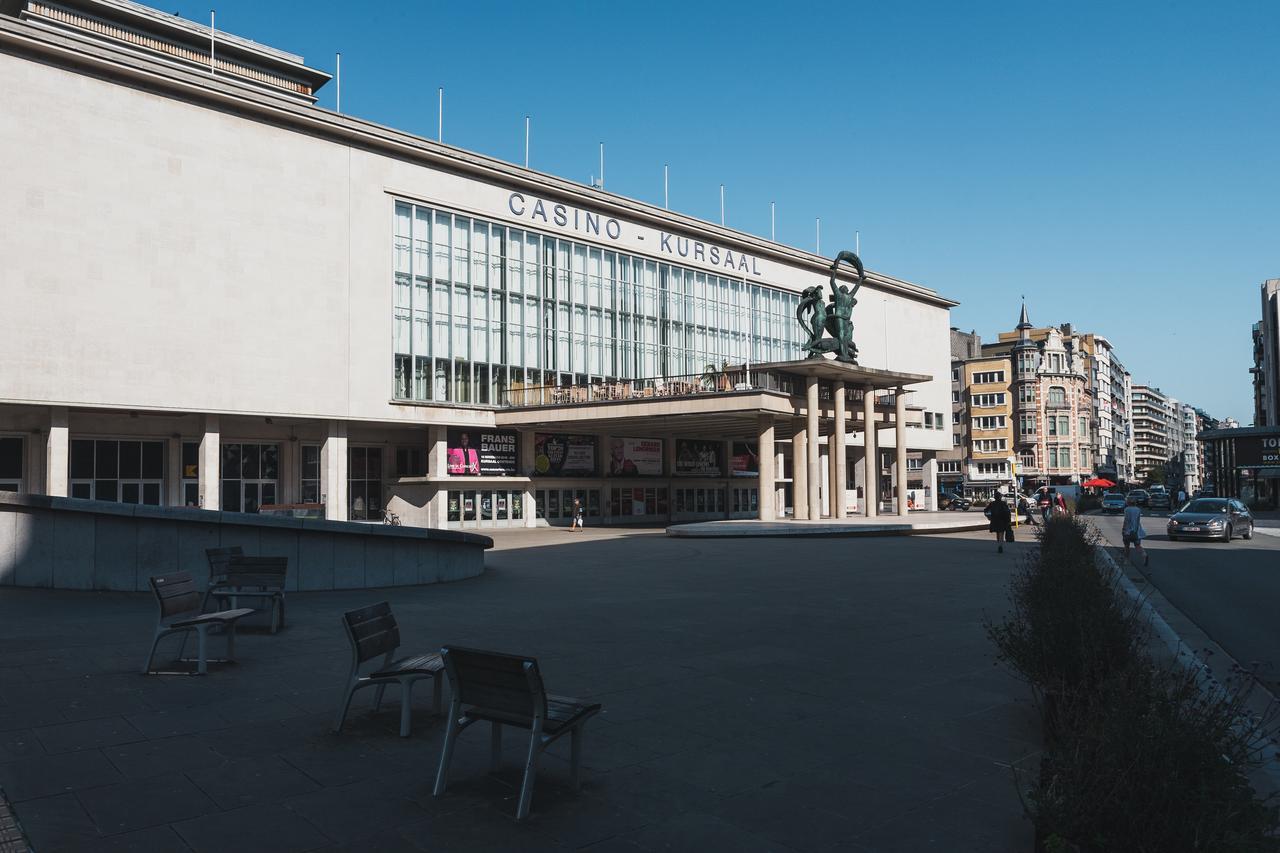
(834, 318)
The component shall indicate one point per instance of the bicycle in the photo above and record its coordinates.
(389, 517)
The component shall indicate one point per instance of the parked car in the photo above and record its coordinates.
(953, 500)
(1113, 502)
(1160, 500)
(1141, 496)
(1211, 518)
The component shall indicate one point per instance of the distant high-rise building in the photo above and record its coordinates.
(1266, 358)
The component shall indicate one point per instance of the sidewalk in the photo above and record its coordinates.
(788, 695)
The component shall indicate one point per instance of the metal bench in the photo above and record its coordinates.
(179, 604)
(252, 577)
(373, 631)
(507, 690)
(218, 559)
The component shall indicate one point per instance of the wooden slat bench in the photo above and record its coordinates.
(373, 631)
(179, 604)
(507, 690)
(252, 577)
(218, 559)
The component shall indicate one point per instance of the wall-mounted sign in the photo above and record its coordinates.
(635, 457)
(745, 461)
(698, 458)
(561, 455)
(482, 453)
(1256, 451)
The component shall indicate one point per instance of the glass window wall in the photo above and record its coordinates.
(481, 309)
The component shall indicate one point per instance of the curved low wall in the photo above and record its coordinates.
(65, 543)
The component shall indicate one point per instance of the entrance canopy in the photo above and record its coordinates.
(721, 404)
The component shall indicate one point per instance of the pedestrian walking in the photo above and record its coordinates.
(1001, 521)
(1061, 502)
(1046, 504)
(1182, 500)
(1131, 532)
(577, 516)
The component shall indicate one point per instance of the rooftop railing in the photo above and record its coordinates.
(724, 381)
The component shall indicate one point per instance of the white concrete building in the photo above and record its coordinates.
(219, 294)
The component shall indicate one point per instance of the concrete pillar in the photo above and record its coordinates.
(900, 446)
(800, 473)
(210, 461)
(173, 472)
(829, 477)
(780, 489)
(526, 468)
(57, 453)
(438, 467)
(333, 471)
(870, 461)
(841, 461)
(931, 484)
(767, 508)
(812, 432)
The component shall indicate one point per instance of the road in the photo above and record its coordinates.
(1232, 591)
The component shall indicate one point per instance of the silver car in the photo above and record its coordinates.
(1212, 518)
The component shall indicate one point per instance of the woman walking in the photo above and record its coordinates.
(1131, 531)
(1001, 520)
(577, 516)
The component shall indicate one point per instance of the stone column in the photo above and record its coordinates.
(900, 446)
(931, 484)
(829, 477)
(815, 463)
(173, 472)
(838, 435)
(870, 460)
(57, 453)
(800, 473)
(780, 472)
(526, 468)
(333, 470)
(767, 511)
(210, 461)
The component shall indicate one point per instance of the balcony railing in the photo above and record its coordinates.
(692, 385)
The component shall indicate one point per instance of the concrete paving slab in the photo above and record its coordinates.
(759, 694)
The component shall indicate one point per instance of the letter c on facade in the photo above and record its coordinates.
(511, 203)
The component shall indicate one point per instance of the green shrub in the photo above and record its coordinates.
(1138, 757)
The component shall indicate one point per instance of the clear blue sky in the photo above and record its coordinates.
(1117, 163)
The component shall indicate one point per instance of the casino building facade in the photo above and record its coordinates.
(218, 294)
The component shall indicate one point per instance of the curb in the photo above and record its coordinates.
(1153, 607)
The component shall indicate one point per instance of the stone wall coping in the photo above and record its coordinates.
(205, 516)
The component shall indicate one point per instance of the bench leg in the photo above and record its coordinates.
(436, 691)
(202, 661)
(530, 771)
(495, 747)
(446, 754)
(575, 758)
(231, 642)
(377, 697)
(346, 706)
(406, 706)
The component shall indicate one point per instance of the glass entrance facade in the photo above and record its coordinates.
(481, 308)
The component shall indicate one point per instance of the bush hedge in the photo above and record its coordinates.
(1138, 757)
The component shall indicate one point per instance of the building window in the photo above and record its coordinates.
(11, 453)
(309, 475)
(364, 483)
(124, 471)
(411, 462)
(955, 417)
(1027, 425)
(937, 420)
(1027, 394)
(992, 469)
(989, 422)
(1057, 396)
(955, 374)
(1084, 425)
(955, 440)
(191, 473)
(988, 377)
(250, 476)
(949, 466)
(955, 396)
(990, 445)
(988, 400)
(928, 420)
(483, 312)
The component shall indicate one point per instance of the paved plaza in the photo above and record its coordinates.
(759, 694)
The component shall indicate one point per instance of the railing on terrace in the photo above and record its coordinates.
(690, 385)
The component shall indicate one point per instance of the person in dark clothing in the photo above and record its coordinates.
(1001, 520)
